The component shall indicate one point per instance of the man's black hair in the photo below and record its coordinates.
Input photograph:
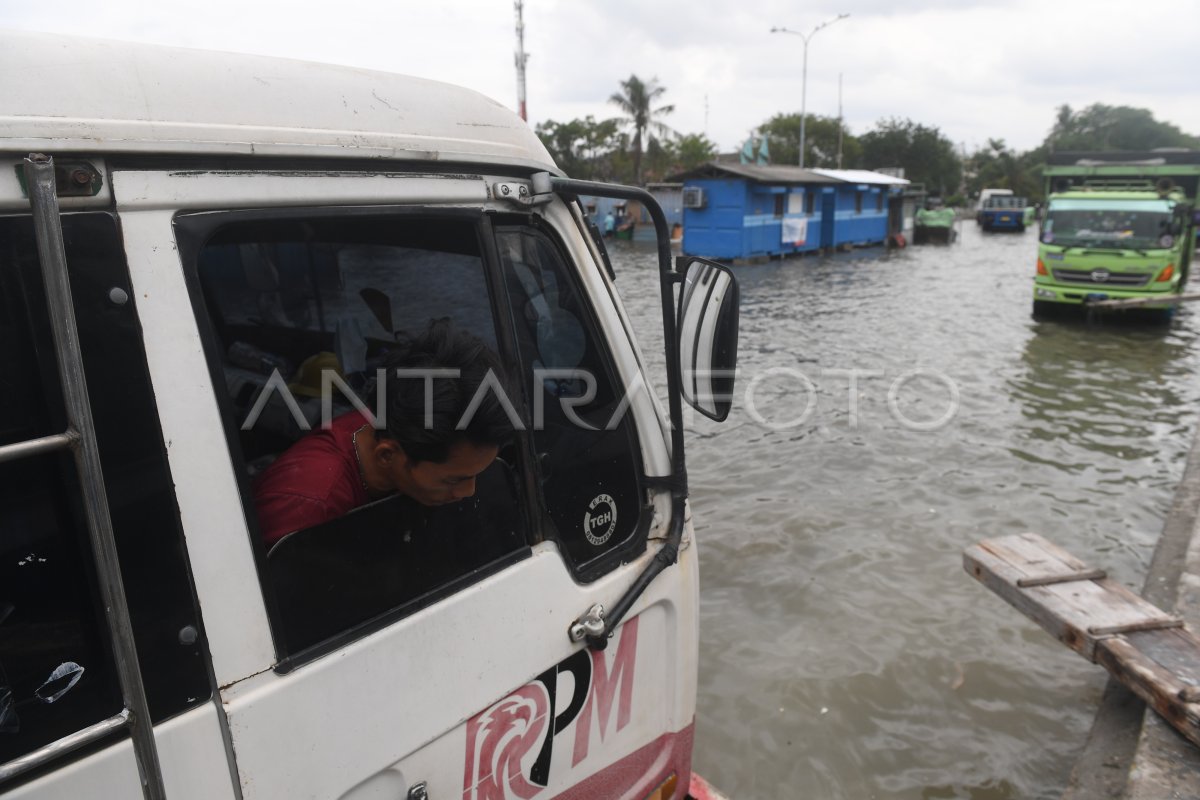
(442, 346)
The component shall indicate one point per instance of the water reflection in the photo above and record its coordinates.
(1106, 389)
(844, 652)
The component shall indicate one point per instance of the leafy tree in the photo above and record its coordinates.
(998, 167)
(1102, 127)
(636, 99)
(820, 141)
(669, 155)
(659, 159)
(926, 155)
(581, 147)
(692, 150)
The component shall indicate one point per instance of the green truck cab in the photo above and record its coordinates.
(1116, 226)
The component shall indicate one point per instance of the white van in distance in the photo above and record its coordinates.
(207, 260)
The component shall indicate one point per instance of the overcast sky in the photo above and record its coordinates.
(973, 69)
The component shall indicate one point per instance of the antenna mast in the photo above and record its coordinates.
(522, 57)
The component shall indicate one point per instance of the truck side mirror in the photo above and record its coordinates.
(708, 332)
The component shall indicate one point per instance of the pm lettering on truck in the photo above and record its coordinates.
(510, 746)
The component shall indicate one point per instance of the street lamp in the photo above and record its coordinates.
(804, 75)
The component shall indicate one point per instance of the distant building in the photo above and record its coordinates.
(746, 211)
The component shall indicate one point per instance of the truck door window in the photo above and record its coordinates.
(56, 673)
(588, 458)
(343, 293)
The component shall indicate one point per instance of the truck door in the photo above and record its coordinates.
(57, 674)
(402, 651)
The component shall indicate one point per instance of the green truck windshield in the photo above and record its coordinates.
(1113, 223)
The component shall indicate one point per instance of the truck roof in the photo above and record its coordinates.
(63, 94)
(1161, 157)
(1115, 194)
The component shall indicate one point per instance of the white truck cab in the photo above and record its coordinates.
(205, 256)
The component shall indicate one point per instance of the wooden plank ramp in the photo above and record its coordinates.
(1145, 648)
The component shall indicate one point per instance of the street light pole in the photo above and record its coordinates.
(804, 74)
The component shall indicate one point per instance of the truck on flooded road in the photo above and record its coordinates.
(214, 267)
(1004, 213)
(1116, 226)
(985, 197)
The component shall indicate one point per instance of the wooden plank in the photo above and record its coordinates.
(1160, 687)
(1066, 577)
(1077, 613)
(1148, 650)
(1132, 627)
(1174, 649)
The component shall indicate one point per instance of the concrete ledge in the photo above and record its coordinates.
(1131, 754)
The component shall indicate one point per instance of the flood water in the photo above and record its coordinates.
(844, 651)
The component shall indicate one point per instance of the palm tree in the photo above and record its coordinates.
(635, 100)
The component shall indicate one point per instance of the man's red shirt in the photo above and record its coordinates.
(317, 479)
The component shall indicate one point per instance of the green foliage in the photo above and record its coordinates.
(998, 167)
(667, 156)
(636, 99)
(1096, 128)
(1100, 127)
(926, 155)
(638, 146)
(820, 141)
(598, 151)
(692, 150)
(582, 148)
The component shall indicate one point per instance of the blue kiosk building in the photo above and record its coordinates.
(747, 211)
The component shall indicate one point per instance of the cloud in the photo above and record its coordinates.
(976, 70)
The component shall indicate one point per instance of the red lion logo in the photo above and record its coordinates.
(499, 739)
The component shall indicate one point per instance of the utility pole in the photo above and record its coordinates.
(840, 123)
(804, 74)
(522, 57)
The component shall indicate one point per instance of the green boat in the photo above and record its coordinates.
(934, 226)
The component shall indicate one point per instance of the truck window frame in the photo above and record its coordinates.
(634, 544)
(193, 230)
(142, 498)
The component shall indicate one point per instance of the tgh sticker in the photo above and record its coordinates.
(600, 520)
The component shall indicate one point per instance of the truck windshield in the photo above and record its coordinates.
(1005, 201)
(1111, 223)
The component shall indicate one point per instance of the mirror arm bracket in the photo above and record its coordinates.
(669, 483)
(668, 554)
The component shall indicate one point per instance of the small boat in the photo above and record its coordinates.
(934, 225)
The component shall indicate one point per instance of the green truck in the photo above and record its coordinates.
(1116, 225)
